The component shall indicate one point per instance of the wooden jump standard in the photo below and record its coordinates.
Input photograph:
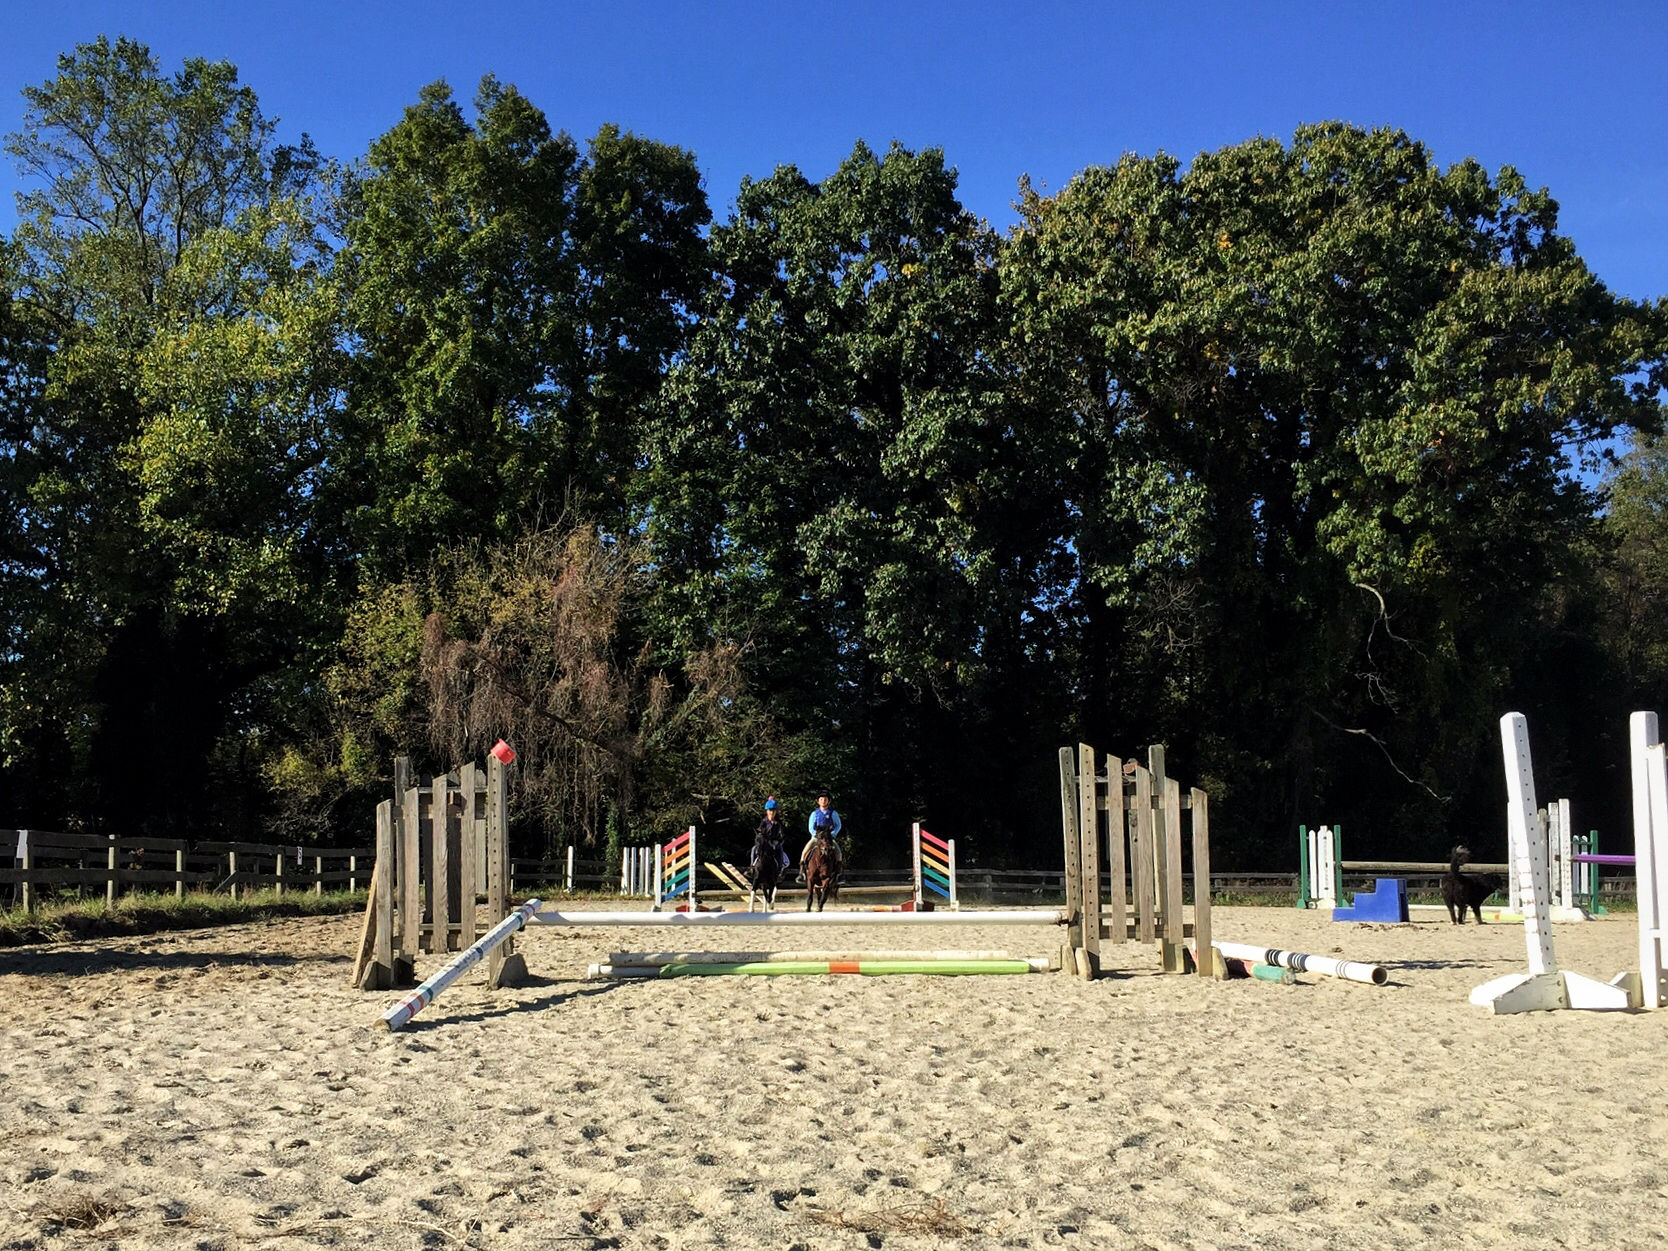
(1134, 814)
(438, 846)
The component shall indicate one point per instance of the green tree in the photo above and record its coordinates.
(1322, 396)
(514, 305)
(841, 482)
(166, 233)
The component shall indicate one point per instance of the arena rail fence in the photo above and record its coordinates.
(38, 864)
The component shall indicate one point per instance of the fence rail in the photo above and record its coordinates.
(37, 863)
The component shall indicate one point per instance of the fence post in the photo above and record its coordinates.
(568, 881)
(110, 882)
(179, 873)
(26, 859)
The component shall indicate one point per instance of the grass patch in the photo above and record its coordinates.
(71, 920)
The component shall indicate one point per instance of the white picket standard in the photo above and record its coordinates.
(1544, 987)
(1650, 850)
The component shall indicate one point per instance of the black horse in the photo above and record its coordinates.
(819, 872)
(765, 872)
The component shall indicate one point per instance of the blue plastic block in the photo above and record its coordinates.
(1387, 901)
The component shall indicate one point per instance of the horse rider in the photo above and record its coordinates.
(824, 820)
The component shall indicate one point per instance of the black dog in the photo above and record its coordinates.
(1466, 890)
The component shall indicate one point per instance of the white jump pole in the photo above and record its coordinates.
(424, 995)
(1302, 962)
(642, 958)
(1006, 916)
(1544, 987)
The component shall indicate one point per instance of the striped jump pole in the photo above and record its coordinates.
(675, 875)
(935, 868)
(819, 968)
(424, 995)
(1003, 916)
(1302, 962)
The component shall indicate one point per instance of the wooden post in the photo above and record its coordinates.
(1160, 843)
(1074, 853)
(377, 971)
(1088, 834)
(409, 860)
(440, 865)
(278, 873)
(397, 969)
(110, 882)
(231, 874)
(179, 873)
(1170, 888)
(26, 860)
(468, 853)
(1117, 901)
(1200, 806)
(318, 875)
(504, 965)
(353, 873)
(1141, 855)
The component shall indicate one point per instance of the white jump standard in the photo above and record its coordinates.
(1545, 986)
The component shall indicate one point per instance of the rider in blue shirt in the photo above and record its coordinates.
(823, 817)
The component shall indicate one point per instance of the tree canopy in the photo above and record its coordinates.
(1298, 458)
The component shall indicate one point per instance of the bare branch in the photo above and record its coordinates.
(1379, 743)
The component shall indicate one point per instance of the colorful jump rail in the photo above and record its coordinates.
(935, 868)
(675, 875)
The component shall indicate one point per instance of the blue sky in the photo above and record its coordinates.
(1573, 94)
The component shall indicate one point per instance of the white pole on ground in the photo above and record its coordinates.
(1545, 987)
(424, 995)
(1302, 962)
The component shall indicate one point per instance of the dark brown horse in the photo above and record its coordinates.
(764, 872)
(819, 873)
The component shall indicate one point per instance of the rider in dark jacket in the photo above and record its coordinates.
(774, 833)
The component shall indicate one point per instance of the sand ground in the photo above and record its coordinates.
(228, 1089)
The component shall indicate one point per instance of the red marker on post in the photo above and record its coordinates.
(503, 752)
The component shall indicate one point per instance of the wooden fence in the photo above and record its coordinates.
(44, 863)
